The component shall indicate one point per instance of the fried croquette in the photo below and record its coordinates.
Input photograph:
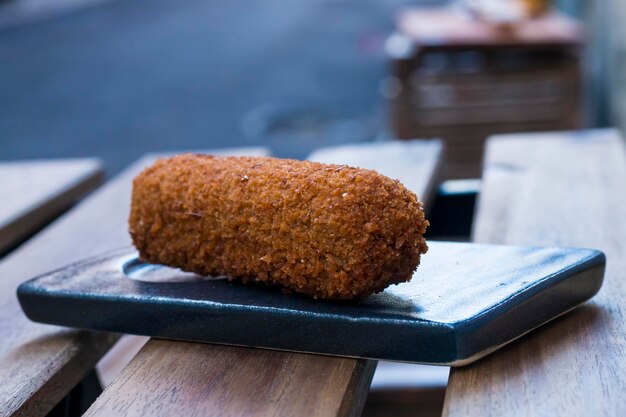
(327, 231)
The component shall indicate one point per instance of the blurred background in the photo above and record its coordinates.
(118, 78)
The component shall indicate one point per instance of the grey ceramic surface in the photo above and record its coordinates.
(463, 302)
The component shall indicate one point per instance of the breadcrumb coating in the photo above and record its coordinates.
(327, 231)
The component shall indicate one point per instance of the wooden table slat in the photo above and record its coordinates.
(178, 378)
(39, 364)
(566, 189)
(34, 192)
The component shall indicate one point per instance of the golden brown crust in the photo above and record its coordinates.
(329, 231)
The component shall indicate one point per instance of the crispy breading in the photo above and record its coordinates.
(328, 231)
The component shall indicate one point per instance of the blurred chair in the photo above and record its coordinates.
(462, 79)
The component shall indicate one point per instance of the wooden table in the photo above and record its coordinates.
(565, 189)
(547, 189)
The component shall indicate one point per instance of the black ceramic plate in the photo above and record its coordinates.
(465, 301)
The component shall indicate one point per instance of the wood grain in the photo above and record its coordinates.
(192, 379)
(564, 189)
(175, 378)
(39, 364)
(34, 192)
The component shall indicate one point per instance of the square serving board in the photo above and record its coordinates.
(464, 301)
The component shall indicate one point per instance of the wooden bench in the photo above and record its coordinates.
(565, 189)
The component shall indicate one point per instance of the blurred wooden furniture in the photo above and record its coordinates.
(177, 378)
(34, 192)
(545, 189)
(462, 80)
